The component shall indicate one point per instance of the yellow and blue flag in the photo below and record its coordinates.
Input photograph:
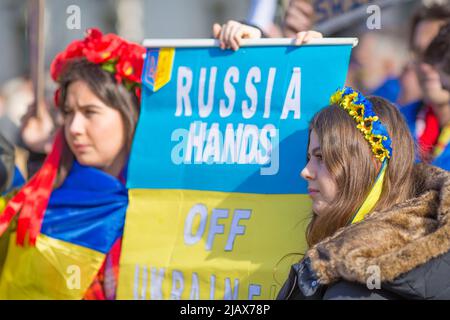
(216, 204)
(83, 219)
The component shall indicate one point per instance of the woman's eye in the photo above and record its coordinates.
(66, 111)
(319, 157)
(89, 113)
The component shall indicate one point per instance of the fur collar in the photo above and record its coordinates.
(396, 240)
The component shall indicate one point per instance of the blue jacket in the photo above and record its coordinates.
(389, 89)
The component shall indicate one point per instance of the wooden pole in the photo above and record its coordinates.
(36, 12)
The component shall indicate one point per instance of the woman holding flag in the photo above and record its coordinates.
(60, 235)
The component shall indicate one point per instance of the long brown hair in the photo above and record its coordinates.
(351, 164)
(105, 87)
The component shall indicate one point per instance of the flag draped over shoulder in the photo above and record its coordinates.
(84, 217)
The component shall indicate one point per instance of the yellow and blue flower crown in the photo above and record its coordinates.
(360, 109)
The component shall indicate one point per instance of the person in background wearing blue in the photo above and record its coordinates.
(377, 62)
(429, 119)
(380, 53)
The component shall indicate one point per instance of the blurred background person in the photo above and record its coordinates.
(425, 24)
(262, 14)
(18, 96)
(384, 62)
(377, 62)
(283, 18)
(429, 119)
(37, 133)
(7, 166)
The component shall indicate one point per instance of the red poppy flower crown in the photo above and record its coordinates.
(114, 54)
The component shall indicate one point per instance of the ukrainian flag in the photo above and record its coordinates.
(84, 217)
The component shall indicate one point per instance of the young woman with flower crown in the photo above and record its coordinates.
(380, 227)
(381, 224)
(77, 201)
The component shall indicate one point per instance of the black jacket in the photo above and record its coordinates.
(6, 164)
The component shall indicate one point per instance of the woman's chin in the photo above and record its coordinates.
(85, 160)
(318, 207)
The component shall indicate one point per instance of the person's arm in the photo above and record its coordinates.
(38, 128)
(233, 32)
(262, 14)
(299, 17)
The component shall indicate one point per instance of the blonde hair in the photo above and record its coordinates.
(351, 164)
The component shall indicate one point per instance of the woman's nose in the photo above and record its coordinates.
(77, 124)
(307, 172)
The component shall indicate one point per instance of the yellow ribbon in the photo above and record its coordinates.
(373, 197)
(444, 139)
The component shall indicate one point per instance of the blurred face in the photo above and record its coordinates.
(321, 187)
(425, 32)
(428, 76)
(370, 70)
(94, 131)
(410, 84)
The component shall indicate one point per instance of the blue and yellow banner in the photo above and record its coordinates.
(217, 209)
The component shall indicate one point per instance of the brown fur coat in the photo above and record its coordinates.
(396, 240)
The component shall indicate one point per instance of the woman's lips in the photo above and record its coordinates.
(312, 191)
(80, 147)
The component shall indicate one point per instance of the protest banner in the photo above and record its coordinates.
(216, 204)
